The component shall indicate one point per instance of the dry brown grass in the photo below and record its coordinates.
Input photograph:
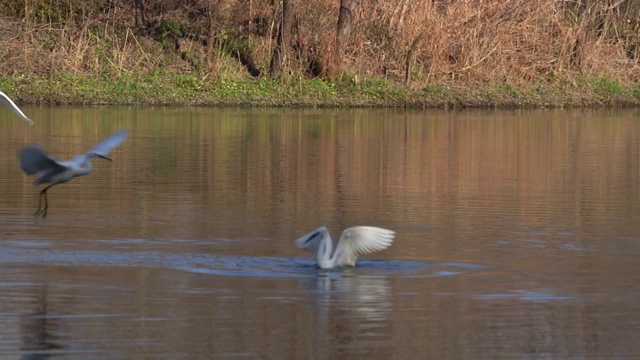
(92, 48)
(455, 41)
(490, 40)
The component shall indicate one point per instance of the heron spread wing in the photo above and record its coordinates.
(359, 240)
(33, 160)
(108, 144)
(312, 240)
(6, 101)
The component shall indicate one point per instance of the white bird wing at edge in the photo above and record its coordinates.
(6, 101)
(312, 245)
(359, 240)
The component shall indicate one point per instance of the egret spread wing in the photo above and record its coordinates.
(311, 241)
(359, 240)
(33, 160)
(108, 144)
(6, 101)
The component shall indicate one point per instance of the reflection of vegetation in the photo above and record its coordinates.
(263, 158)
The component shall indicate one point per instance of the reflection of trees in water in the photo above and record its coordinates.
(352, 314)
(35, 329)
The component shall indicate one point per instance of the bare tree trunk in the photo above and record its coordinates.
(217, 13)
(403, 12)
(411, 56)
(399, 11)
(345, 21)
(139, 6)
(280, 59)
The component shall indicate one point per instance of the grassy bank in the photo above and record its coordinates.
(167, 88)
(422, 53)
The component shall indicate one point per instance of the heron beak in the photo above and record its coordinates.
(102, 157)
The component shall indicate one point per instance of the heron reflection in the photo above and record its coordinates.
(37, 341)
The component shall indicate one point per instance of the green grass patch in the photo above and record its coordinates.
(167, 87)
(608, 87)
(635, 91)
(435, 91)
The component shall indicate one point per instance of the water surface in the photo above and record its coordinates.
(517, 235)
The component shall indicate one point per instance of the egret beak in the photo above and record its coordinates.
(102, 157)
(311, 237)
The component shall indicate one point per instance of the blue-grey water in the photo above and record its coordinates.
(517, 235)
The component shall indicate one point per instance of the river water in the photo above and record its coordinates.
(517, 235)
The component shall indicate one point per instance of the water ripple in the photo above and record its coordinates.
(229, 265)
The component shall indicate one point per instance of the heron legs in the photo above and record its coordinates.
(42, 210)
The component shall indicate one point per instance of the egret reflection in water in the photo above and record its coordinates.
(353, 242)
(350, 304)
(367, 295)
(34, 160)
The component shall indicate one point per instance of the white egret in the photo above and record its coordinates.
(353, 242)
(6, 101)
(34, 160)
